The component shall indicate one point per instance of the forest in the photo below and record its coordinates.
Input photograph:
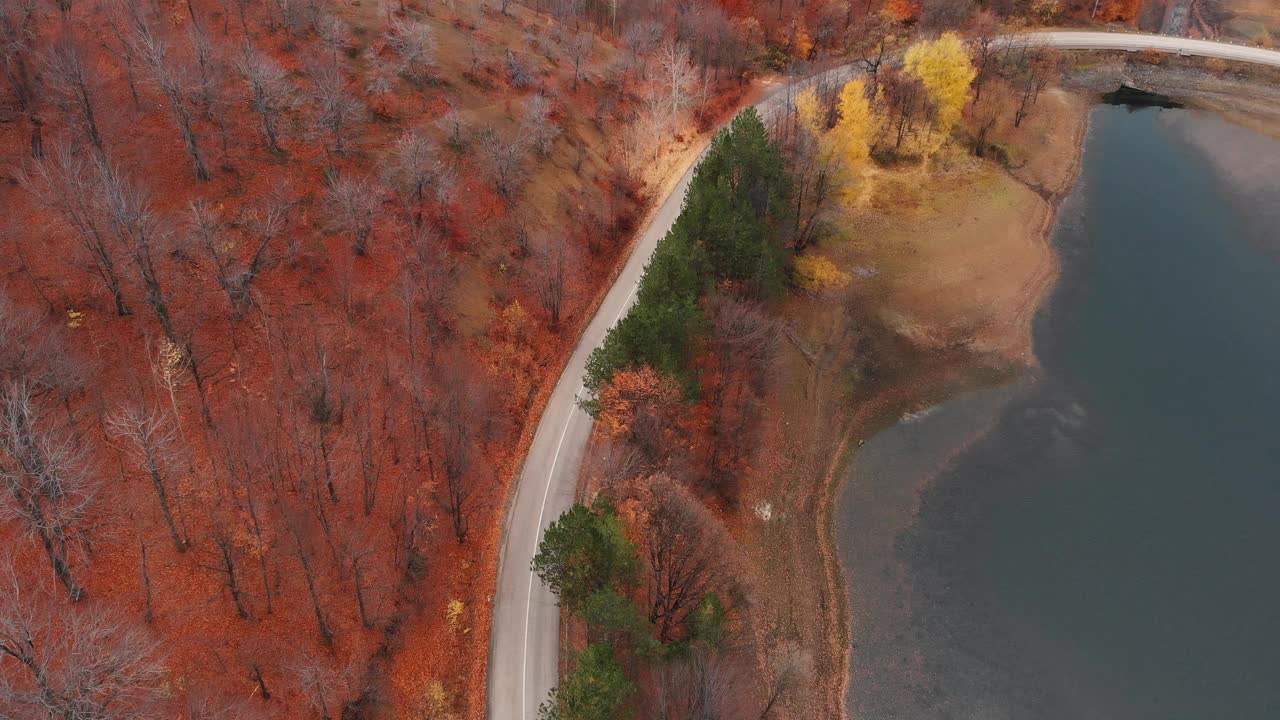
(286, 284)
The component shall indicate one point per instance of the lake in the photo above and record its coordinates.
(1101, 538)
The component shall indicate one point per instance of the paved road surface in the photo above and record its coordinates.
(525, 641)
(1081, 40)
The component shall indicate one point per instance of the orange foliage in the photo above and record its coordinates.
(632, 391)
(902, 10)
(1120, 10)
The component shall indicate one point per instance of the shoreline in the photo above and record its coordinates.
(874, 417)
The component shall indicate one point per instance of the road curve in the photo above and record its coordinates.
(524, 643)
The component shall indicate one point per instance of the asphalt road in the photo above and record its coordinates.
(1083, 40)
(525, 639)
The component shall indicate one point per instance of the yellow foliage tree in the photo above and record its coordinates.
(850, 140)
(944, 68)
(815, 272)
(809, 110)
(852, 134)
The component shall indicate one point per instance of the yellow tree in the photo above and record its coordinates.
(828, 160)
(852, 134)
(944, 68)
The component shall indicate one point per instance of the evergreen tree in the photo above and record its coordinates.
(585, 552)
(596, 689)
(731, 229)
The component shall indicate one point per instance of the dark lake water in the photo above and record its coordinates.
(1111, 547)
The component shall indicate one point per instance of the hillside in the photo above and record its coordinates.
(284, 285)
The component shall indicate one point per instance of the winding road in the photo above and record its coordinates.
(525, 639)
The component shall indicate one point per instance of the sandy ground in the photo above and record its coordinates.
(948, 267)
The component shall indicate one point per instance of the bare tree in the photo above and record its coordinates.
(117, 16)
(351, 203)
(73, 86)
(427, 285)
(538, 126)
(204, 704)
(149, 436)
(643, 37)
(985, 48)
(463, 414)
(65, 183)
(173, 77)
(336, 109)
(414, 43)
(550, 255)
(413, 168)
(262, 225)
(677, 81)
(578, 48)
(1029, 67)
(271, 94)
(59, 661)
(689, 554)
(324, 686)
(47, 477)
(504, 162)
(138, 228)
(875, 41)
(455, 129)
(296, 527)
(333, 34)
(17, 38)
(33, 352)
(226, 559)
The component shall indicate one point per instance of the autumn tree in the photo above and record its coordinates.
(825, 161)
(945, 70)
(583, 552)
(638, 403)
(61, 661)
